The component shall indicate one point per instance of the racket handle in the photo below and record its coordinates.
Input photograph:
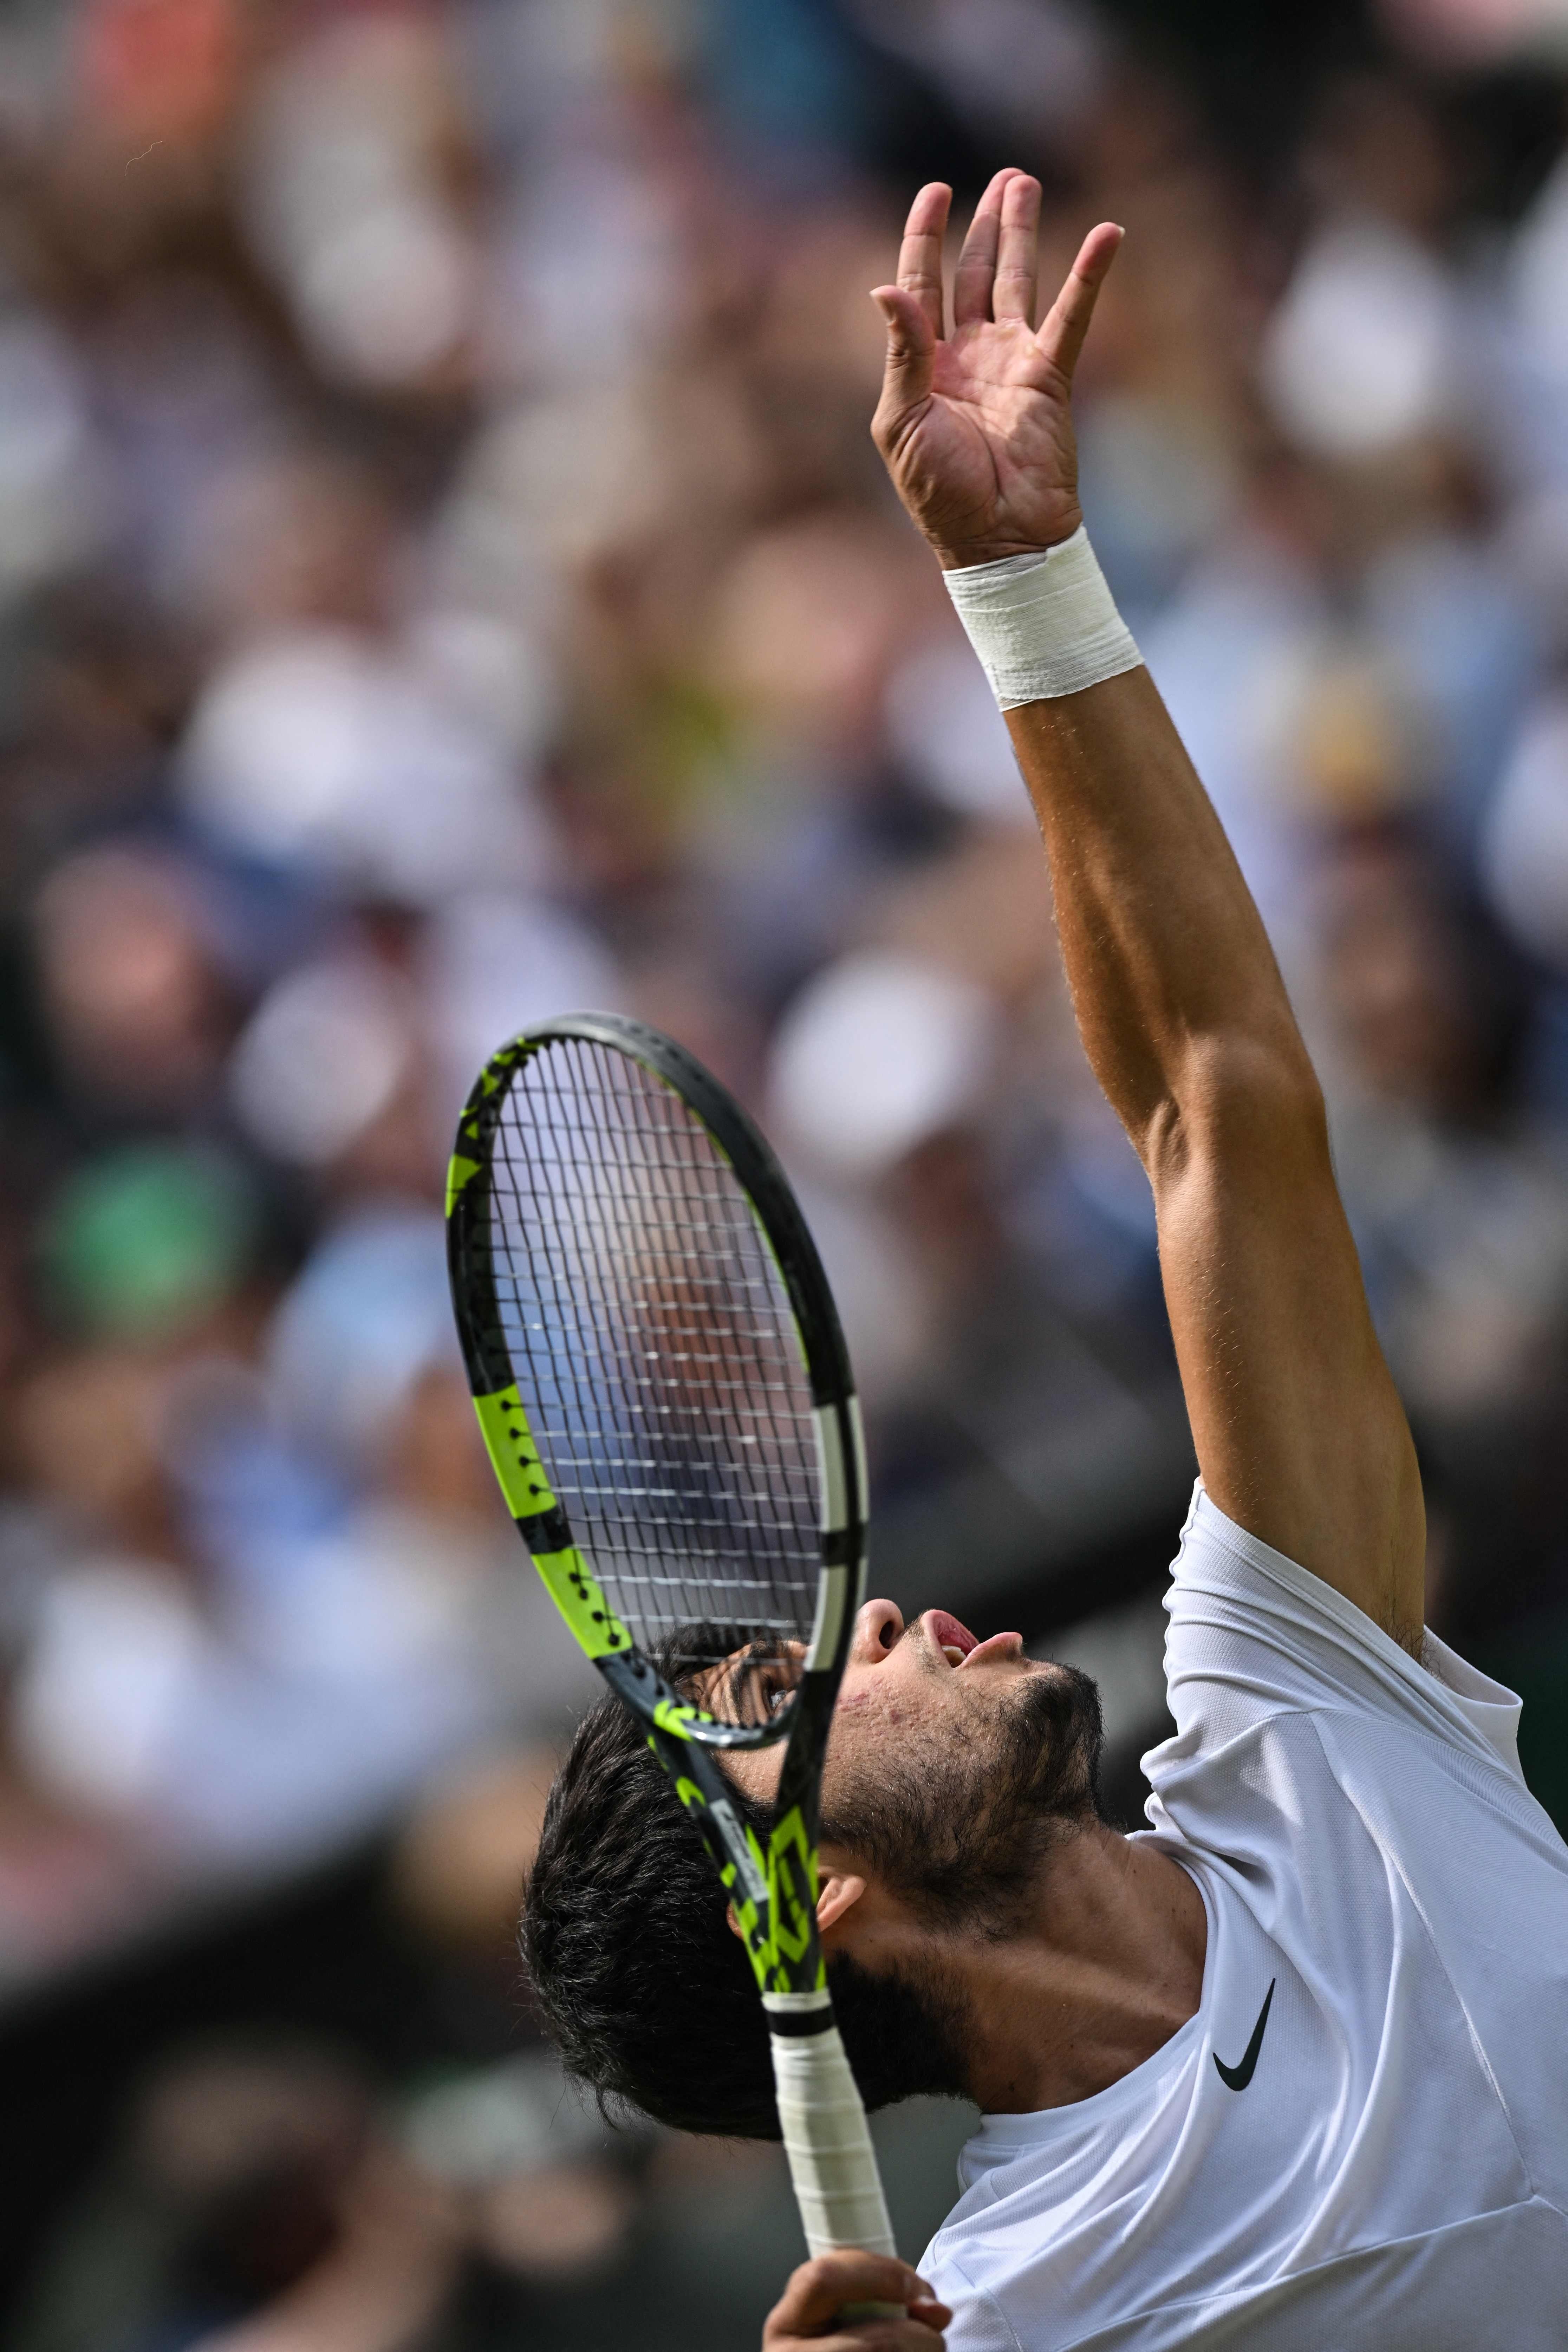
(831, 2160)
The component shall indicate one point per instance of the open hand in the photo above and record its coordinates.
(975, 428)
(809, 2311)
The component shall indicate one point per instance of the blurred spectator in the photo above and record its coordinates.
(254, 2201)
(132, 984)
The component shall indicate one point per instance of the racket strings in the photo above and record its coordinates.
(653, 1342)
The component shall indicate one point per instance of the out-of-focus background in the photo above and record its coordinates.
(444, 579)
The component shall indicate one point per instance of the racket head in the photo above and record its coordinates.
(662, 1379)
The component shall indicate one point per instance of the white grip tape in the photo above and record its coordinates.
(1043, 625)
(831, 2160)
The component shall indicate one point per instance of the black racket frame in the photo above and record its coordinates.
(771, 1883)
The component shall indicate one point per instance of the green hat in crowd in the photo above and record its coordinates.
(147, 1239)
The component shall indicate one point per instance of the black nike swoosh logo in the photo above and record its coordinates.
(1236, 2078)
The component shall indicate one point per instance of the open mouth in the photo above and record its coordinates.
(959, 1646)
(953, 1640)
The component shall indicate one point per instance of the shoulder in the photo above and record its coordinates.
(1253, 1634)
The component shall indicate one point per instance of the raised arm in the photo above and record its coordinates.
(1301, 1434)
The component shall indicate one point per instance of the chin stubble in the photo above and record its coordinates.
(959, 1823)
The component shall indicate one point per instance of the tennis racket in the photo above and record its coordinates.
(666, 1396)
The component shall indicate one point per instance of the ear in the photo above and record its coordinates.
(838, 1892)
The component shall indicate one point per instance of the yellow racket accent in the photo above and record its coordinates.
(770, 1960)
(674, 1715)
(574, 1589)
(459, 1171)
(792, 1900)
(577, 1593)
(509, 1442)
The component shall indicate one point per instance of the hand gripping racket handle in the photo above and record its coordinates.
(831, 2160)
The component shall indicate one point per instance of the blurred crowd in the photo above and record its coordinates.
(445, 579)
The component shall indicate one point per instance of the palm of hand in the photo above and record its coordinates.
(977, 428)
(988, 465)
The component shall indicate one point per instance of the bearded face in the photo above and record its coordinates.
(957, 1807)
(953, 1767)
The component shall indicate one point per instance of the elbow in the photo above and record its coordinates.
(1240, 1099)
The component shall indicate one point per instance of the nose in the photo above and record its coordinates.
(877, 1627)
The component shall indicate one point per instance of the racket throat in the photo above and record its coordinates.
(738, 1850)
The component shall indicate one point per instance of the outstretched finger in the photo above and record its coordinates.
(912, 354)
(976, 269)
(1066, 323)
(920, 254)
(1017, 257)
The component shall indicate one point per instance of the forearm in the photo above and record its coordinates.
(1185, 1021)
(1299, 1433)
(1170, 967)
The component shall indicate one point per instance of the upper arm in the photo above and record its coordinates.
(1301, 1434)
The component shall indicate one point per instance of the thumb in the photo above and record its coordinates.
(911, 347)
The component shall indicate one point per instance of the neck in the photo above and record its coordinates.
(1103, 1969)
(1100, 1976)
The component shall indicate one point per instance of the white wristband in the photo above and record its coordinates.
(1043, 625)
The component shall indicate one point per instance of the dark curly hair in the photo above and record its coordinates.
(646, 1991)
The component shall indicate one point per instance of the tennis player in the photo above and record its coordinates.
(1290, 2068)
